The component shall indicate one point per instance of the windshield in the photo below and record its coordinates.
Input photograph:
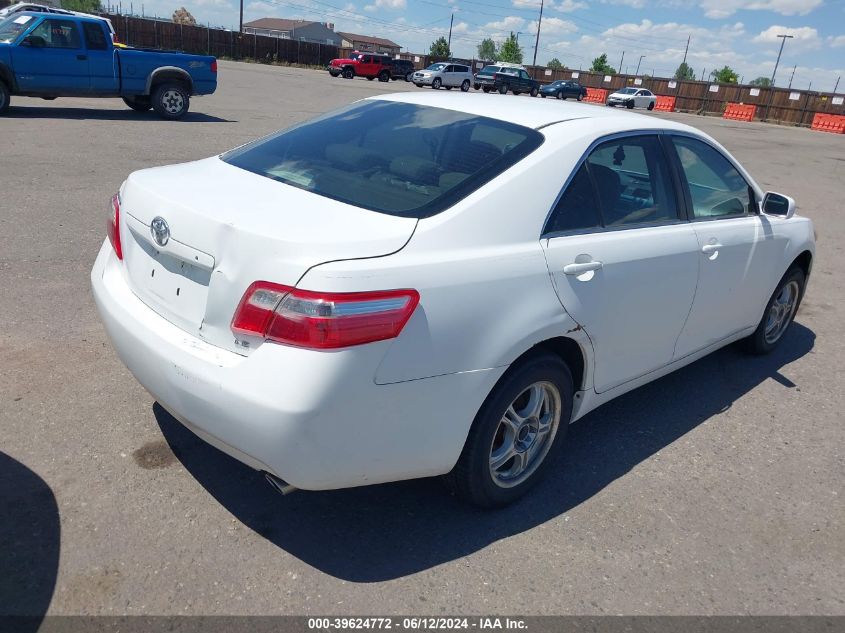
(396, 158)
(436, 67)
(13, 26)
(628, 91)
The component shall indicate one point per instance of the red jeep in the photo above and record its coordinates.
(369, 65)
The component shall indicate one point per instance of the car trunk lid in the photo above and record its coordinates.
(197, 235)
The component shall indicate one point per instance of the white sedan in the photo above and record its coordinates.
(410, 286)
(633, 98)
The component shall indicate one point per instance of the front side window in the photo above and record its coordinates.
(632, 178)
(716, 188)
(57, 33)
(396, 158)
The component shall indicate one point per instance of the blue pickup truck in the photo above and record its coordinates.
(50, 55)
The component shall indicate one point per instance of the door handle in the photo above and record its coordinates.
(710, 248)
(579, 269)
(82, 58)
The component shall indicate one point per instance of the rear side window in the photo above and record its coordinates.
(716, 187)
(95, 37)
(577, 207)
(396, 158)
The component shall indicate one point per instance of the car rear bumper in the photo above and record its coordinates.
(315, 419)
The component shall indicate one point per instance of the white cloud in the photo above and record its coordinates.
(510, 23)
(554, 26)
(836, 41)
(390, 5)
(568, 6)
(718, 9)
(805, 37)
(636, 4)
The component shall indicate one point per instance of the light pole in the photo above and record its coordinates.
(537, 41)
(782, 42)
(638, 65)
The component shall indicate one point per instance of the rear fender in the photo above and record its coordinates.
(168, 73)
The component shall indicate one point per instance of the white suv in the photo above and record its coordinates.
(446, 75)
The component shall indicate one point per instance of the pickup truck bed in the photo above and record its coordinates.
(51, 55)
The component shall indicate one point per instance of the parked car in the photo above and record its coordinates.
(516, 81)
(339, 308)
(484, 79)
(633, 98)
(402, 69)
(444, 74)
(50, 55)
(369, 65)
(563, 89)
(23, 7)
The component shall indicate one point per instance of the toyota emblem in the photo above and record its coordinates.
(160, 231)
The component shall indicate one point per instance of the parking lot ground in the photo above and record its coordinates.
(715, 490)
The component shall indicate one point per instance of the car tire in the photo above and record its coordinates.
(409, 76)
(559, 96)
(5, 97)
(516, 93)
(418, 85)
(171, 100)
(650, 106)
(630, 105)
(534, 91)
(486, 89)
(348, 73)
(779, 313)
(139, 104)
(476, 86)
(465, 86)
(506, 452)
(371, 78)
(436, 83)
(580, 97)
(384, 76)
(503, 89)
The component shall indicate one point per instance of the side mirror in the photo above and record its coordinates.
(778, 205)
(35, 41)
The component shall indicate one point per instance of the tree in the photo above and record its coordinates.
(183, 16)
(554, 64)
(440, 48)
(685, 72)
(487, 49)
(600, 65)
(510, 50)
(85, 6)
(763, 82)
(725, 75)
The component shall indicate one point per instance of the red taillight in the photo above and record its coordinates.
(113, 226)
(322, 320)
(214, 66)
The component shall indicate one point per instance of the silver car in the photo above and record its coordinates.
(446, 75)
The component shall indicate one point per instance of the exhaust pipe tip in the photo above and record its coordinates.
(280, 485)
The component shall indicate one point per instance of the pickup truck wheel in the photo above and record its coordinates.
(517, 433)
(5, 97)
(486, 89)
(534, 91)
(139, 104)
(171, 101)
(436, 83)
(465, 86)
(348, 73)
(503, 89)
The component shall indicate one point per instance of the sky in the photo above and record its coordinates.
(739, 33)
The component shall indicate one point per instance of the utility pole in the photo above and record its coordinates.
(837, 84)
(241, 29)
(792, 76)
(774, 72)
(621, 60)
(686, 50)
(449, 45)
(537, 41)
(638, 65)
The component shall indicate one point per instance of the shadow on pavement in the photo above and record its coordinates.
(29, 545)
(94, 114)
(383, 532)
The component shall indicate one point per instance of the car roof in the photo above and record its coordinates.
(535, 113)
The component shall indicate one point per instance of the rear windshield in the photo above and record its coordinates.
(396, 158)
(488, 70)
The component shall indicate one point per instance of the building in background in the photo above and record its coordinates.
(368, 43)
(303, 30)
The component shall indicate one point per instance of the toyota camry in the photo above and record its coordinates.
(430, 284)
